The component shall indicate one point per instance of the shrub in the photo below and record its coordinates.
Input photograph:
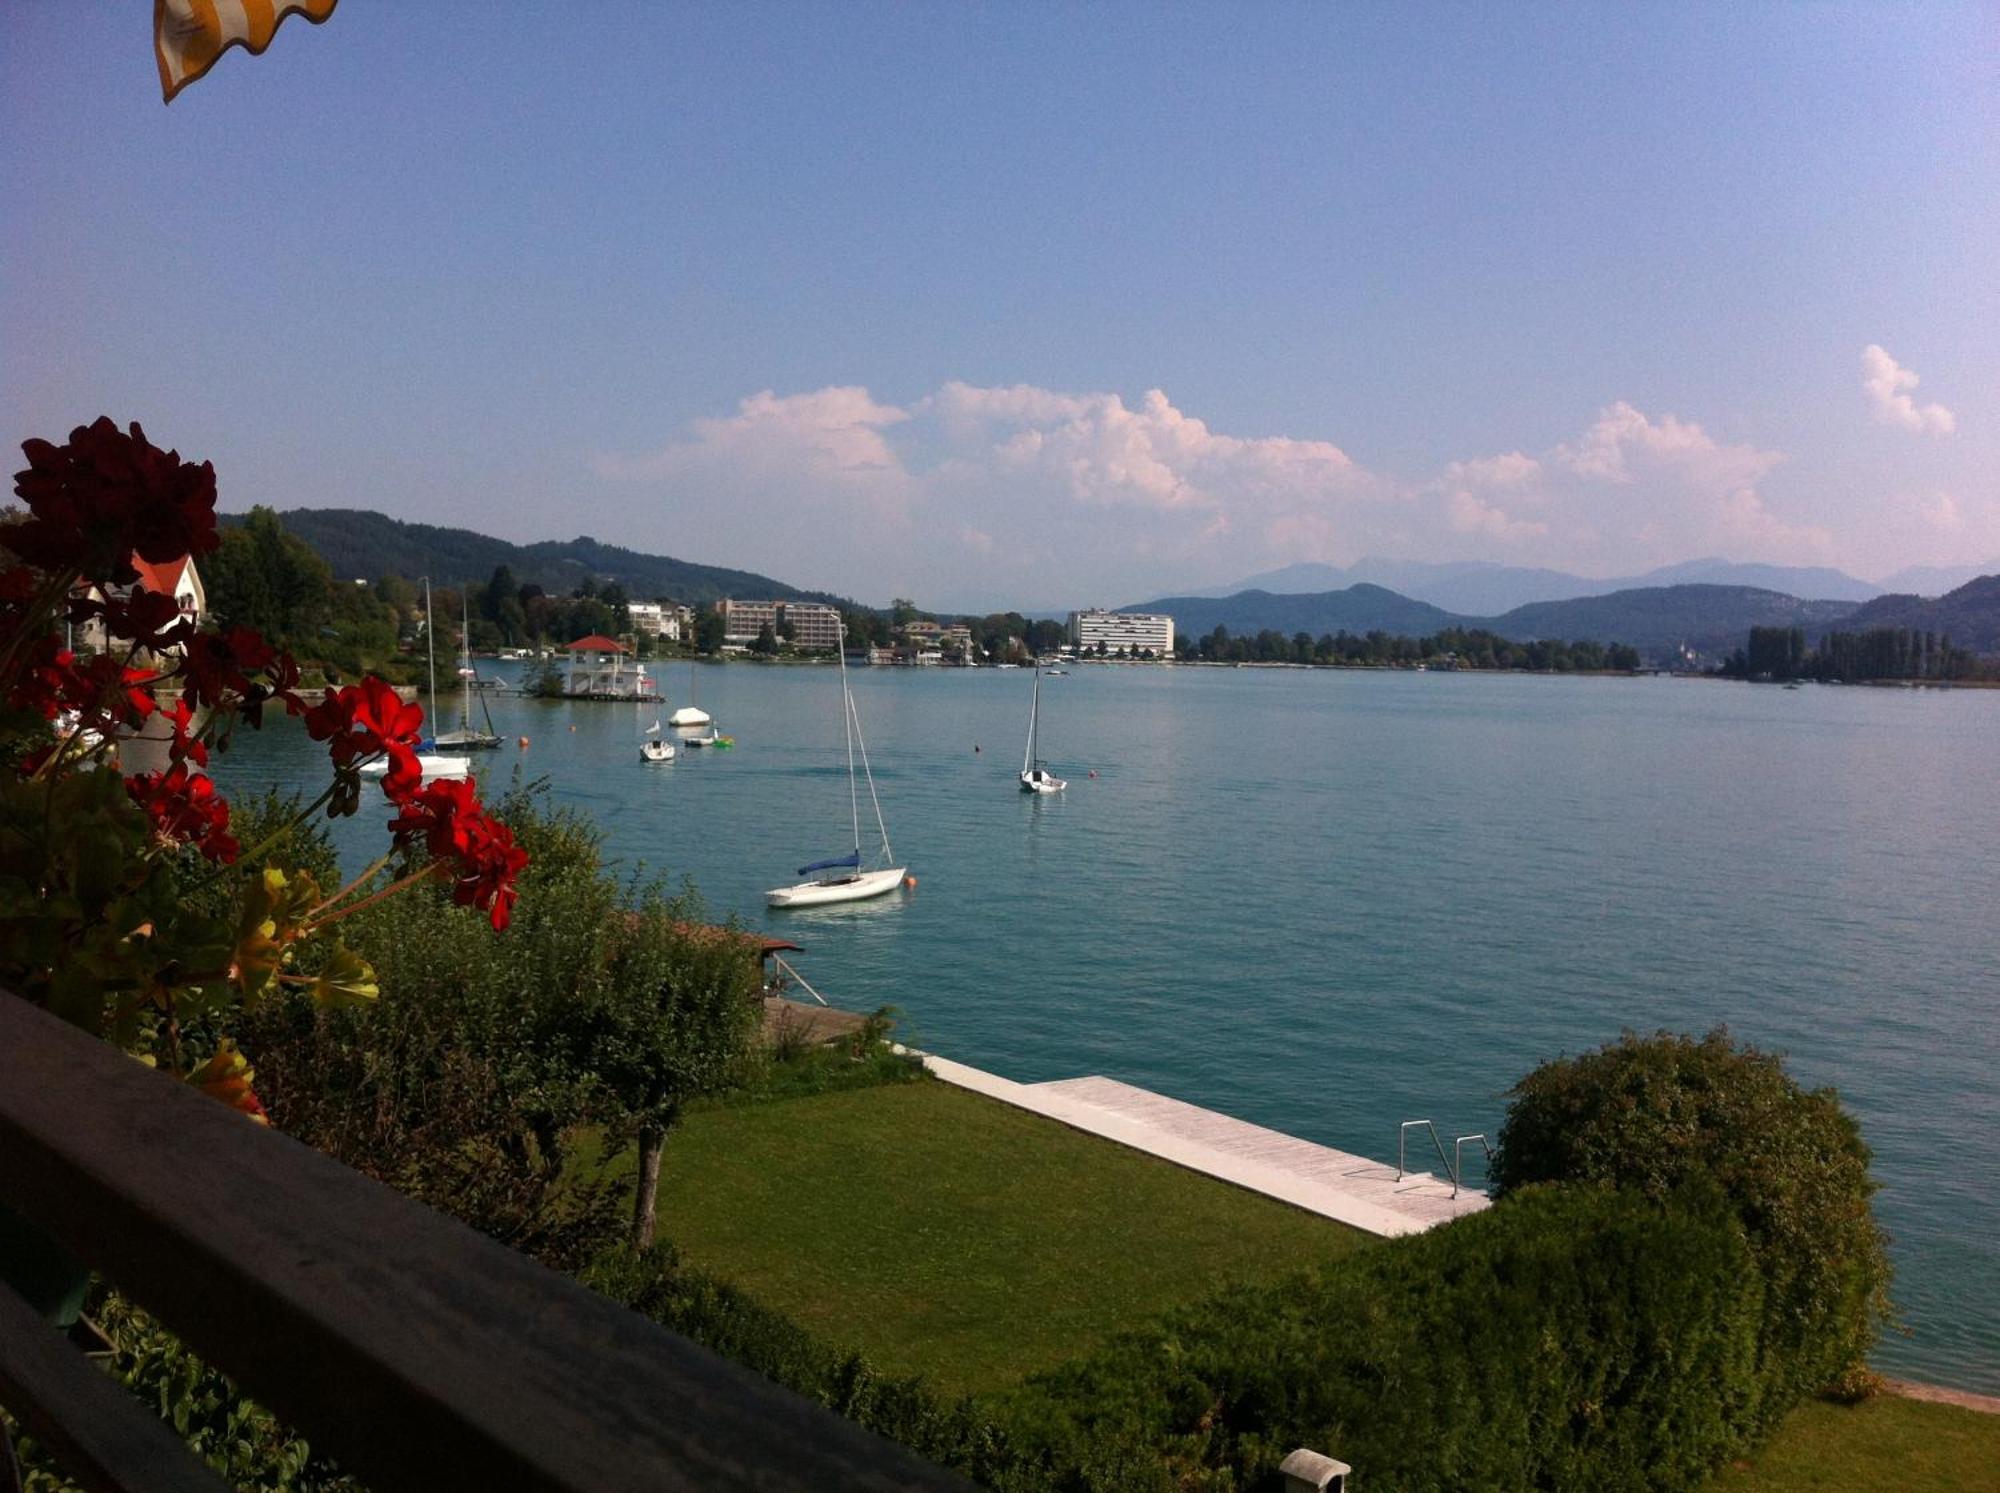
(1574, 1339)
(1652, 1113)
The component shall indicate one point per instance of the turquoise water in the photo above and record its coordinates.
(1329, 901)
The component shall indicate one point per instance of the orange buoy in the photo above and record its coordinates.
(524, 743)
(910, 882)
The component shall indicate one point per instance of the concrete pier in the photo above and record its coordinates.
(1351, 1189)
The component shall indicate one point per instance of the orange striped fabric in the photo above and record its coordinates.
(188, 35)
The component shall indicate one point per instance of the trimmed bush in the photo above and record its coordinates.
(1653, 1113)
(1574, 1339)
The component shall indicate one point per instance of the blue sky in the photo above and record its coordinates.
(1039, 304)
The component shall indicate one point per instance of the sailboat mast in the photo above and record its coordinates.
(1034, 721)
(847, 725)
(465, 664)
(430, 644)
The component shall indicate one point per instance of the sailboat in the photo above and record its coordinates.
(653, 747)
(431, 763)
(848, 881)
(690, 714)
(465, 739)
(1035, 775)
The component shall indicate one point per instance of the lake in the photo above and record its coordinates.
(1331, 901)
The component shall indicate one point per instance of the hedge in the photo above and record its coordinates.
(1654, 1113)
(1575, 1338)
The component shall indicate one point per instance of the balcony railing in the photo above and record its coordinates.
(415, 1352)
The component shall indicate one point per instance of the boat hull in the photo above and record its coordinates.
(1043, 784)
(856, 888)
(688, 715)
(430, 764)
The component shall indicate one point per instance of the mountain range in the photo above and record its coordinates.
(1483, 588)
(364, 545)
(1655, 619)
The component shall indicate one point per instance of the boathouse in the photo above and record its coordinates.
(602, 668)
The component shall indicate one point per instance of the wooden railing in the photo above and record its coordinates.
(415, 1352)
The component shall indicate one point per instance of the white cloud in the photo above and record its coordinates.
(1038, 496)
(1888, 384)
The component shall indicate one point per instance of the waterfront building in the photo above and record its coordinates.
(743, 620)
(657, 619)
(813, 623)
(1122, 632)
(602, 668)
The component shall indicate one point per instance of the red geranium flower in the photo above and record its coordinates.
(363, 721)
(150, 619)
(185, 810)
(219, 664)
(455, 826)
(107, 494)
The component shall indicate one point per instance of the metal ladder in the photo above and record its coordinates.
(1453, 1164)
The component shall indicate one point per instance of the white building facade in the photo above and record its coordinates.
(813, 623)
(658, 619)
(1122, 632)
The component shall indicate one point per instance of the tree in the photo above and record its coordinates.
(766, 643)
(501, 605)
(1662, 1113)
(673, 1020)
(708, 630)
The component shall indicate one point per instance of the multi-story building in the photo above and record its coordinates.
(176, 578)
(1122, 632)
(658, 619)
(813, 624)
(743, 620)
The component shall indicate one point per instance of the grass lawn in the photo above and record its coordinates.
(1887, 1443)
(946, 1234)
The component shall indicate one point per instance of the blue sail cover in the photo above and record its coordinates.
(851, 859)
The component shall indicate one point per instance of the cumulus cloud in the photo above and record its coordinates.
(832, 439)
(1033, 495)
(1888, 384)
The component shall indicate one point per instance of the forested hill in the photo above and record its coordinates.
(362, 545)
(1969, 616)
(1710, 618)
(1357, 609)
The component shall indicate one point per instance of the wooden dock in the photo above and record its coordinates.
(1351, 1189)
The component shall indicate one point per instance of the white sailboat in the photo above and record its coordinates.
(653, 747)
(849, 882)
(690, 714)
(466, 738)
(430, 762)
(1035, 775)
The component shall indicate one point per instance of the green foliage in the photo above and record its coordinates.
(1851, 657)
(241, 1440)
(657, 1284)
(1573, 1339)
(264, 578)
(1656, 1113)
(484, 1058)
(1453, 647)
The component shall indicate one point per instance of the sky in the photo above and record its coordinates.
(1039, 305)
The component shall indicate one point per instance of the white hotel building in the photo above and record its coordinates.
(814, 624)
(1122, 632)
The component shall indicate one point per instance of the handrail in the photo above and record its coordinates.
(1402, 1134)
(1458, 1157)
(778, 960)
(412, 1350)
